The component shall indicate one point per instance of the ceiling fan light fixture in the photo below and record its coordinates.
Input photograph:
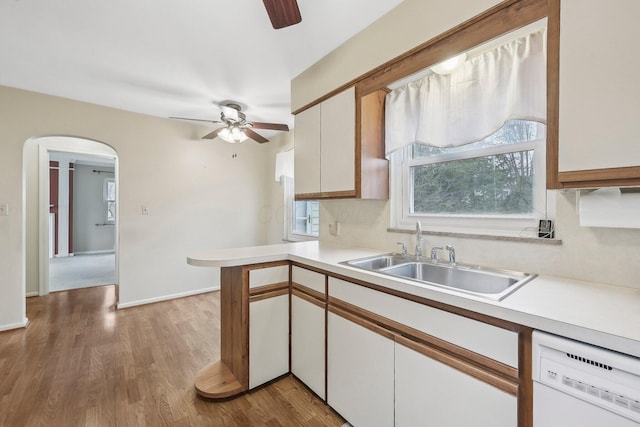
(233, 134)
(235, 127)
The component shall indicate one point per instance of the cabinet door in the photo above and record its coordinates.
(268, 339)
(307, 151)
(430, 393)
(359, 373)
(337, 152)
(308, 344)
(599, 96)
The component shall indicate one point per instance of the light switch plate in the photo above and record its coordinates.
(4, 209)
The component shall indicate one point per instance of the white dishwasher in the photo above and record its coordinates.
(578, 384)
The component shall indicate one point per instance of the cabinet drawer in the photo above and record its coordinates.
(268, 276)
(309, 279)
(490, 341)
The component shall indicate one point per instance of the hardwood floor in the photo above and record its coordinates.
(81, 362)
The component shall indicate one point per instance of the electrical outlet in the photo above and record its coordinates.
(4, 209)
(145, 210)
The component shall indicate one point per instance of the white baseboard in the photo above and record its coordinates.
(18, 325)
(167, 297)
(103, 251)
(32, 294)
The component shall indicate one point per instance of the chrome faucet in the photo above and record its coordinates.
(434, 252)
(448, 248)
(452, 254)
(418, 239)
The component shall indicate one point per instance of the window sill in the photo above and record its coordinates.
(299, 238)
(539, 240)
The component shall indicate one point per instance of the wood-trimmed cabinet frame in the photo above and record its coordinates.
(517, 382)
(229, 376)
(500, 19)
(371, 169)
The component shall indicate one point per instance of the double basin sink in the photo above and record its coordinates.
(480, 281)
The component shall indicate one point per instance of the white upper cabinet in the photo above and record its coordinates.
(599, 94)
(339, 148)
(324, 138)
(307, 151)
(338, 138)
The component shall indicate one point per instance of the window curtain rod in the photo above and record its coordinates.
(97, 171)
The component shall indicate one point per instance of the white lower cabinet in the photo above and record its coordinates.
(268, 339)
(360, 378)
(308, 344)
(430, 393)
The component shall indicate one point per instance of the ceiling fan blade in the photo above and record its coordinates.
(271, 126)
(196, 120)
(282, 13)
(256, 137)
(213, 134)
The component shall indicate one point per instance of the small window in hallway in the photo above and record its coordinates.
(110, 199)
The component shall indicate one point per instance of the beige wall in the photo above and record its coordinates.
(199, 197)
(602, 255)
(591, 254)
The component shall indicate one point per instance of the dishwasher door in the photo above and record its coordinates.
(553, 408)
(578, 384)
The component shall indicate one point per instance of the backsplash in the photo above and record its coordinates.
(602, 255)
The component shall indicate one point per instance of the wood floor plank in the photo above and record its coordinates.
(81, 362)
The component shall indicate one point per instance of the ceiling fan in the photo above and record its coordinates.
(236, 127)
(282, 13)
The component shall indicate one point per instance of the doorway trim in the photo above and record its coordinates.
(71, 145)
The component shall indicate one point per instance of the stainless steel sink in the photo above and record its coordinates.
(380, 261)
(489, 283)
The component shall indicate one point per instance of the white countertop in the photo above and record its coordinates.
(604, 315)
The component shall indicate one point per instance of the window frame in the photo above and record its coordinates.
(289, 234)
(516, 225)
(107, 201)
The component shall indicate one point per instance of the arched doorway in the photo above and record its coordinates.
(69, 152)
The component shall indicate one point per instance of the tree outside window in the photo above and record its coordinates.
(471, 180)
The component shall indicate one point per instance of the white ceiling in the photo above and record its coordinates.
(172, 57)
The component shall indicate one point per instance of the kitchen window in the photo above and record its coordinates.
(496, 185)
(445, 171)
(302, 217)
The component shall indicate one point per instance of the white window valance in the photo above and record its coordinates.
(474, 101)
